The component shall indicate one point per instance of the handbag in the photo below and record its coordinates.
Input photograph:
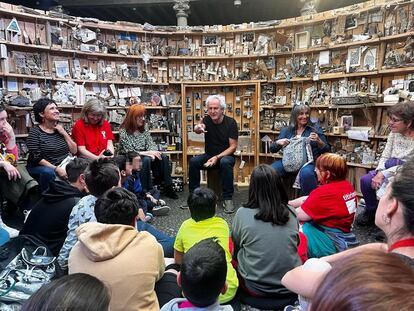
(25, 274)
(295, 154)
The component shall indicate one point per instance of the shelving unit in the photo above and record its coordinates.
(271, 63)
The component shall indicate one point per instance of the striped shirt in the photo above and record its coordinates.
(51, 147)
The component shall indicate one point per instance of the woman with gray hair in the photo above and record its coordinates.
(92, 132)
(301, 126)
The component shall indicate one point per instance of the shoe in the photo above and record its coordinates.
(160, 210)
(228, 206)
(292, 308)
(149, 217)
(11, 231)
(161, 202)
(169, 192)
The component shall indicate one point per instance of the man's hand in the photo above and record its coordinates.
(200, 128)
(12, 172)
(211, 162)
(377, 180)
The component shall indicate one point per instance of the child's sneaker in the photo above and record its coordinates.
(149, 217)
(160, 210)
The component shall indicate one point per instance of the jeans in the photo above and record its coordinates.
(43, 175)
(226, 166)
(160, 168)
(369, 194)
(166, 241)
(308, 180)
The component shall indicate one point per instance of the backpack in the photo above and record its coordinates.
(295, 154)
(26, 264)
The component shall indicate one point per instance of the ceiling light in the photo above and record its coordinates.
(237, 3)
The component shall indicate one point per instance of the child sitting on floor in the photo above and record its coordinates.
(202, 278)
(130, 166)
(203, 224)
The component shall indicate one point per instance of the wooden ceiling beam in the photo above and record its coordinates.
(98, 3)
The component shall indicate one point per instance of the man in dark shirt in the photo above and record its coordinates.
(221, 136)
(48, 220)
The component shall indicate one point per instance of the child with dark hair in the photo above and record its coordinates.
(130, 167)
(74, 292)
(203, 224)
(48, 220)
(130, 262)
(101, 174)
(202, 278)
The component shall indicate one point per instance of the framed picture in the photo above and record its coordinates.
(248, 37)
(351, 22)
(302, 40)
(354, 57)
(347, 122)
(316, 41)
(370, 59)
(210, 40)
(62, 69)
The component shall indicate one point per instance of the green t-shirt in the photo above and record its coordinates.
(192, 232)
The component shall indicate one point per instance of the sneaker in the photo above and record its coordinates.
(169, 192)
(228, 206)
(161, 202)
(292, 308)
(149, 217)
(12, 232)
(160, 210)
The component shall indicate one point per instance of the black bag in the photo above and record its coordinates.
(26, 264)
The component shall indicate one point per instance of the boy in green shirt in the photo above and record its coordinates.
(202, 225)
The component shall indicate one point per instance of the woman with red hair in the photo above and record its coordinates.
(329, 210)
(133, 137)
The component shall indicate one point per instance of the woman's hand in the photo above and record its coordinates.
(283, 142)
(11, 171)
(377, 180)
(315, 137)
(61, 172)
(60, 129)
(152, 154)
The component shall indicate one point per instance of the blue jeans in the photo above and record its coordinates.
(161, 171)
(166, 241)
(308, 180)
(43, 175)
(226, 173)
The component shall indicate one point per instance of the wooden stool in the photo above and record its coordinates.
(214, 182)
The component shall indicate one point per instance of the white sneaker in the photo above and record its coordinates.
(160, 210)
(12, 232)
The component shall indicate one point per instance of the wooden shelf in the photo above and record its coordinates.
(268, 132)
(271, 155)
(367, 166)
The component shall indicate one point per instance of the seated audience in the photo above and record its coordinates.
(130, 180)
(203, 224)
(265, 237)
(48, 144)
(128, 261)
(202, 278)
(92, 132)
(301, 126)
(48, 220)
(133, 136)
(16, 180)
(74, 292)
(399, 147)
(394, 215)
(329, 210)
(101, 175)
(369, 280)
